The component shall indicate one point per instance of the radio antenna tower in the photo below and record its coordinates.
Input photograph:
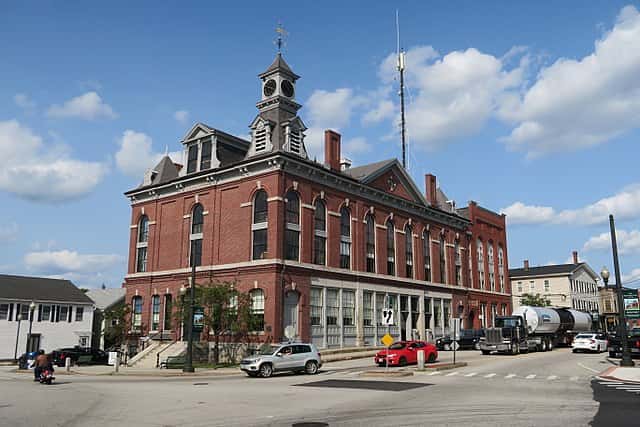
(400, 53)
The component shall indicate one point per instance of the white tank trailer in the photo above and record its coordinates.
(534, 329)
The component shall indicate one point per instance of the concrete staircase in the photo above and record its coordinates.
(148, 358)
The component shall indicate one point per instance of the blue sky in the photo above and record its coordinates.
(532, 109)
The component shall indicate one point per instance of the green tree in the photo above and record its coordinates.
(536, 300)
(118, 320)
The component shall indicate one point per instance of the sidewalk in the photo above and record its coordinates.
(621, 374)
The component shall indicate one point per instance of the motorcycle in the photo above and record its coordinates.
(46, 376)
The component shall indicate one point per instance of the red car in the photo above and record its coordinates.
(405, 352)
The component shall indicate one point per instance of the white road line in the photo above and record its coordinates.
(510, 376)
(628, 388)
(435, 373)
(452, 374)
(610, 382)
(574, 378)
(588, 368)
(552, 377)
(530, 377)
(634, 391)
(473, 374)
(490, 375)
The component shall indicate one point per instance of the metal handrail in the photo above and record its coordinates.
(158, 354)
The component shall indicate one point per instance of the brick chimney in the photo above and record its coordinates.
(332, 149)
(430, 188)
(526, 264)
(575, 257)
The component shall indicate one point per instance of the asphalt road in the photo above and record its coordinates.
(552, 389)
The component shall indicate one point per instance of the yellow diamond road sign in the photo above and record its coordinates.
(387, 340)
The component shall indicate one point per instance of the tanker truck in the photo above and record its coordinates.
(534, 329)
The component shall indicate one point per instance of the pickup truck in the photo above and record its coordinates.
(615, 344)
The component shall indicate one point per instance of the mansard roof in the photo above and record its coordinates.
(164, 171)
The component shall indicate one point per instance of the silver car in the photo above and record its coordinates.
(291, 357)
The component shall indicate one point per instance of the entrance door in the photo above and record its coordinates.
(34, 343)
(291, 311)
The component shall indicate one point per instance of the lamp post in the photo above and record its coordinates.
(622, 327)
(32, 308)
(188, 362)
(183, 291)
(15, 352)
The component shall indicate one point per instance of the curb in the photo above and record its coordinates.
(605, 375)
(443, 367)
(387, 374)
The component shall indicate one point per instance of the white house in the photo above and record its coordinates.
(104, 299)
(572, 285)
(58, 313)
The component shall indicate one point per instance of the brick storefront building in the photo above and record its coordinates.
(319, 246)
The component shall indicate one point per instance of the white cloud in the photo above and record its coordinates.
(332, 109)
(358, 145)
(136, 154)
(33, 171)
(88, 106)
(628, 242)
(23, 101)
(452, 96)
(623, 205)
(384, 110)
(632, 276)
(580, 103)
(65, 261)
(9, 232)
(181, 116)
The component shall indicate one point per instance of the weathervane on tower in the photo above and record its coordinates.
(280, 39)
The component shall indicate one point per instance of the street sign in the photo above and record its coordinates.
(387, 340)
(455, 346)
(456, 328)
(198, 319)
(631, 305)
(387, 317)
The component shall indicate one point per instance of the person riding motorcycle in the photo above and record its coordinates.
(42, 362)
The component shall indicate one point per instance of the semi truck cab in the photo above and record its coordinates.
(509, 335)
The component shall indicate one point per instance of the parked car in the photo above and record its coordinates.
(291, 357)
(589, 342)
(468, 339)
(615, 344)
(79, 356)
(402, 353)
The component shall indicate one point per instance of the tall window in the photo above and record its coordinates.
(333, 307)
(319, 233)
(292, 231)
(197, 221)
(257, 309)
(142, 244)
(367, 308)
(408, 250)
(137, 313)
(192, 158)
(259, 225)
(480, 251)
(168, 309)
(443, 259)
(155, 312)
(458, 256)
(205, 155)
(492, 275)
(494, 312)
(370, 237)
(501, 267)
(345, 238)
(391, 248)
(348, 308)
(426, 251)
(316, 306)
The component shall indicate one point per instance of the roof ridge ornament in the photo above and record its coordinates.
(280, 38)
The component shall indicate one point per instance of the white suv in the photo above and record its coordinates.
(292, 357)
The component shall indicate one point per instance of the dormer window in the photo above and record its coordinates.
(205, 155)
(261, 137)
(294, 139)
(192, 158)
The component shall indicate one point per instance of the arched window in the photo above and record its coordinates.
(168, 311)
(370, 243)
(292, 230)
(391, 248)
(142, 244)
(259, 225)
(458, 256)
(501, 267)
(345, 238)
(426, 251)
(408, 250)
(155, 312)
(257, 309)
(136, 320)
(492, 275)
(195, 238)
(443, 259)
(320, 233)
(480, 252)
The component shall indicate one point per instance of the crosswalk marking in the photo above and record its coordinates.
(472, 374)
(490, 375)
(510, 376)
(452, 374)
(574, 378)
(435, 373)
(552, 377)
(530, 377)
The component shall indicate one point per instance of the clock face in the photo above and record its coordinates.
(287, 88)
(269, 87)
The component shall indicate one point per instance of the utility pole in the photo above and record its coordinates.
(188, 363)
(401, 70)
(622, 323)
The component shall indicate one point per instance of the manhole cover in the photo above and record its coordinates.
(200, 383)
(310, 425)
(366, 385)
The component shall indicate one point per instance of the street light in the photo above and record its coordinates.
(183, 291)
(622, 326)
(15, 352)
(32, 307)
(604, 273)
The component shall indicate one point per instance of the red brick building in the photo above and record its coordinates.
(320, 247)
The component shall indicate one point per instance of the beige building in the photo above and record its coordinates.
(572, 285)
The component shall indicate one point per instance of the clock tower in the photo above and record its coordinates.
(277, 126)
